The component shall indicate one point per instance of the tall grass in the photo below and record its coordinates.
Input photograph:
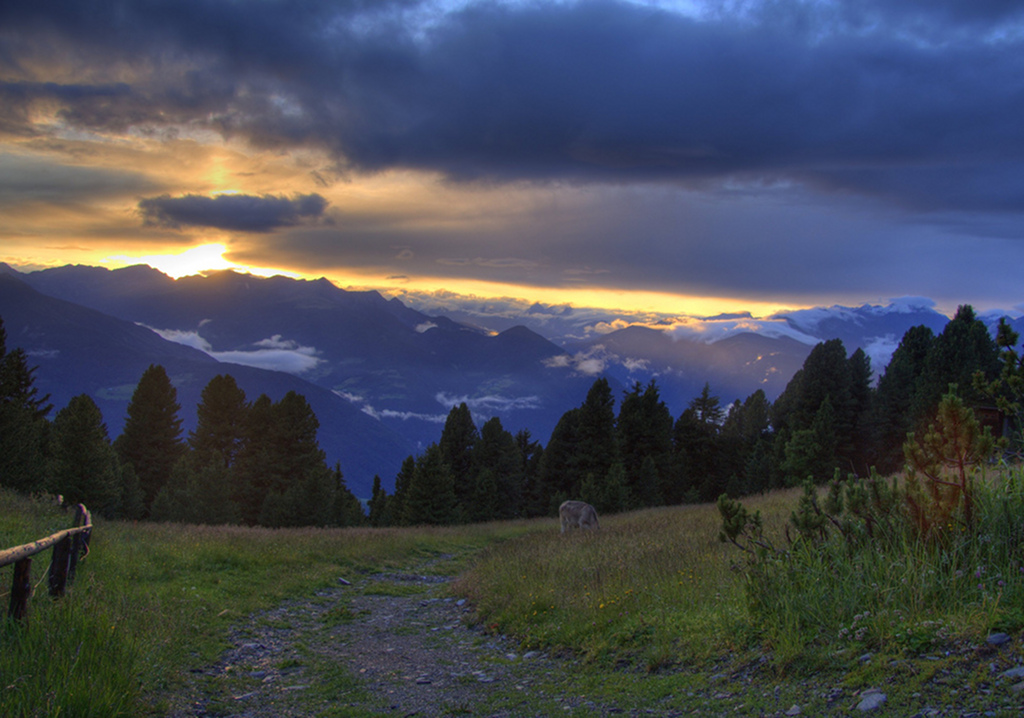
(652, 586)
(901, 592)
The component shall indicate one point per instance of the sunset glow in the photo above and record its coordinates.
(711, 159)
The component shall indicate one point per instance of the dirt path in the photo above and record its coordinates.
(386, 644)
(398, 644)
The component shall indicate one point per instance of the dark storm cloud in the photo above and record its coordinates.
(915, 102)
(239, 212)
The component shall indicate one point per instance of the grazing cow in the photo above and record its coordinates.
(578, 514)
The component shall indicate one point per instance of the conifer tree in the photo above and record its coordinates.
(644, 431)
(220, 421)
(85, 467)
(402, 481)
(558, 476)
(811, 452)
(964, 348)
(23, 425)
(697, 449)
(151, 439)
(379, 505)
(347, 509)
(596, 446)
(431, 493)
(892, 416)
(252, 476)
(530, 455)
(496, 452)
(457, 441)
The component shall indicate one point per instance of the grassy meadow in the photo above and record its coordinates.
(653, 591)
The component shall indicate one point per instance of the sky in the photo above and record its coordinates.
(674, 158)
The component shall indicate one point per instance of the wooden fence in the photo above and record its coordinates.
(68, 546)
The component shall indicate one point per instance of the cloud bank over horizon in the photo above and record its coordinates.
(799, 152)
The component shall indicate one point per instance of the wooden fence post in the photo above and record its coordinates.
(80, 542)
(59, 566)
(21, 589)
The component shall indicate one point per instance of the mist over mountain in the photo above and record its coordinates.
(78, 350)
(382, 376)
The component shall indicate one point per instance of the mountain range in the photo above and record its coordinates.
(380, 375)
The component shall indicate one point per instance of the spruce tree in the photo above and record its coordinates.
(379, 505)
(252, 476)
(964, 347)
(431, 493)
(698, 451)
(558, 476)
(457, 441)
(220, 421)
(85, 467)
(347, 509)
(403, 479)
(23, 425)
(530, 455)
(644, 431)
(151, 439)
(496, 452)
(596, 446)
(892, 416)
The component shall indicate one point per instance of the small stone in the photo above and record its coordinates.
(871, 699)
(530, 655)
(343, 582)
(511, 656)
(1017, 687)
(794, 710)
(997, 639)
(865, 658)
(423, 680)
(461, 602)
(1017, 672)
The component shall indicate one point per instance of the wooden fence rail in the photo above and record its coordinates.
(68, 546)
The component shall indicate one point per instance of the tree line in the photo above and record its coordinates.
(259, 463)
(831, 417)
(246, 462)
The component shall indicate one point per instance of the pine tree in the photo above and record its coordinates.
(457, 441)
(251, 474)
(496, 452)
(85, 467)
(530, 455)
(299, 486)
(892, 417)
(811, 452)
(198, 492)
(220, 421)
(23, 425)
(697, 448)
(347, 509)
(379, 505)
(963, 348)
(644, 432)
(596, 446)
(746, 432)
(431, 493)
(558, 476)
(403, 479)
(857, 458)
(151, 439)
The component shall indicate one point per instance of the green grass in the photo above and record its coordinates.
(653, 595)
(153, 600)
(653, 586)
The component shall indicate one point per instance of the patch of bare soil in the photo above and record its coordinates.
(387, 644)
